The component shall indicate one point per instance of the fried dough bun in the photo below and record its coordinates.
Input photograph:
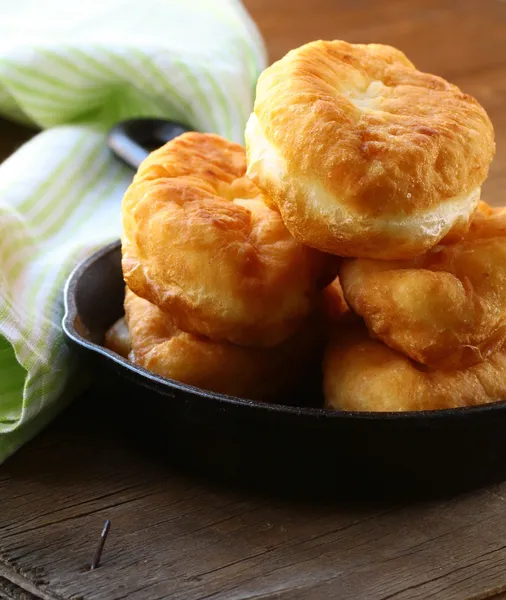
(446, 308)
(362, 374)
(364, 155)
(117, 338)
(254, 373)
(334, 304)
(200, 243)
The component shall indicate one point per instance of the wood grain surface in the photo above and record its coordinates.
(176, 537)
(179, 538)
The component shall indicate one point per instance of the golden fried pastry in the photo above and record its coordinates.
(366, 375)
(364, 155)
(488, 222)
(200, 243)
(254, 373)
(117, 338)
(446, 308)
(334, 304)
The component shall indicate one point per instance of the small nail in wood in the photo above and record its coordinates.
(98, 554)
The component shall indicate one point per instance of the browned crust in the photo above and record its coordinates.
(399, 149)
(446, 308)
(255, 373)
(200, 243)
(366, 375)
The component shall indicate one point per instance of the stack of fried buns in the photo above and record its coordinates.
(347, 245)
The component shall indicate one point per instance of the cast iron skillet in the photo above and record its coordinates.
(288, 448)
(294, 447)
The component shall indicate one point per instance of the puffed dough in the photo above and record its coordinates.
(362, 374)
(334, 305)
(254, 373)
(446, 308)
(199, 242)
(364, 155)
(117, 338)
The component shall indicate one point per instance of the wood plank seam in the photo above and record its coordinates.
(19, 585)
(11, 591)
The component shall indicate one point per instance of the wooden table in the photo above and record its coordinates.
(176, 537)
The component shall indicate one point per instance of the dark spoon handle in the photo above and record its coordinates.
(131, 141)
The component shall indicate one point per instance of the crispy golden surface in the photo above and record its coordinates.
(366, 375)
(117, 338)
(199, 242)
(364, 155)
(446, 308)
(254, 373)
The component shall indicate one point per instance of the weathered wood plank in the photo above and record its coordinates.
(489, 87)
(18, 588)
(443, 36)
(178, 538)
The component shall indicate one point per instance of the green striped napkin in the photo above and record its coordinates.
(74, 69)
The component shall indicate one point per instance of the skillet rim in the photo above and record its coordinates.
(157, 383)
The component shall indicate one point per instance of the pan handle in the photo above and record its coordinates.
(131, 141)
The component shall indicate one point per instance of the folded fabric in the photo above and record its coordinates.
(78, 69)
